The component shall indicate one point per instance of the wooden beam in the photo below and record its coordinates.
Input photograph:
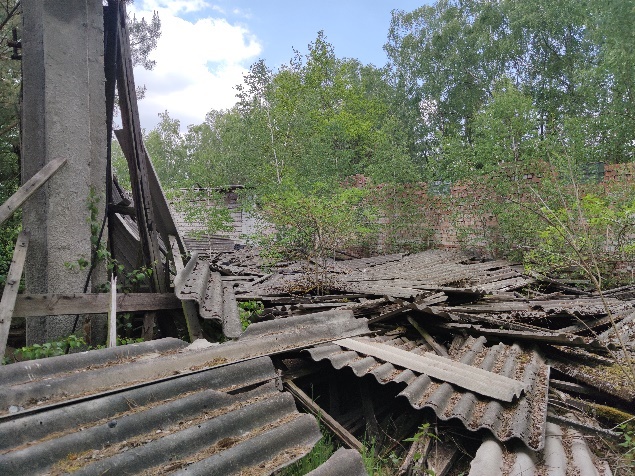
(349, 440)
(34, 305)
(438, 348)
(11, 288)
(29, 188)
(130, 138)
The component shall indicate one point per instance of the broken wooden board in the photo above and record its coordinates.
(324, 417)
(16, 200)
(11, 289)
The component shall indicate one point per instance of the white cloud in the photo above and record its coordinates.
(174, 6)
(198, 63)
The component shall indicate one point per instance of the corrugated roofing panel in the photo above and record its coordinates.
(195, 429)
(342, 463)
(467, 377)
(264, 338)
(524, 418)
(196, 282)
(565, 452)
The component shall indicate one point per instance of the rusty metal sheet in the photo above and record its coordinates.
(524, 419)
(474, 379)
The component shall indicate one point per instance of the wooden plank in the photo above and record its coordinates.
(149, 321)
(176, 254)
(112, 314)
(11, 288)
(349, 440)
(439, 349)
(29, 188)
(131, 140)
(34, 305)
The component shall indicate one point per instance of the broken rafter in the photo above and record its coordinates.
(324, 417)
(29, 188)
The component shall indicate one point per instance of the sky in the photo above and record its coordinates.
(207, 45)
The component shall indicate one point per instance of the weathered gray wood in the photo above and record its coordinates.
(176, 254)
(34, 305)
(149, 321)
(29, 188)
(131, 140)
(324, 417)
(112, 314)
(438, 348)
(11, 288)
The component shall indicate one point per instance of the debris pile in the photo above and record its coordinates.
(503, 369)
(431, 363)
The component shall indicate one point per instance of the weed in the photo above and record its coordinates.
(248, 309)
(321, 452)
(50, 349)
(377, 465)
(628, 434)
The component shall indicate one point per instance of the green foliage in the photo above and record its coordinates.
(588, 232)
(203, 207)
(10, 76)
(247, 309)
(375, 464)
(316, 119)
(314, 225)
(50, 349)
(166, 147)
(628, 444)
(318, 455)
(561, 67)
(423, 432)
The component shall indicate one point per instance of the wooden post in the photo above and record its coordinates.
(11, 288)
(149, 320)
(112, 314)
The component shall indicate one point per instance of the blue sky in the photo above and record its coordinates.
(207, 45)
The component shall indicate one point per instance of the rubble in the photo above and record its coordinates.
(486, 314)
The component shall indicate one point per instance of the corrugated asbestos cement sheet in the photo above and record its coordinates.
(467, 377)
(344, 462)
(264, 338)
(217, 302)
(565, 452)
(185, 423)
(229, 419)
(442, 268)
(525, 418)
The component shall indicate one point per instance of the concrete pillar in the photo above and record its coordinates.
(63, 115)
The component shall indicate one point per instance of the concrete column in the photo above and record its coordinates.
(63, 115)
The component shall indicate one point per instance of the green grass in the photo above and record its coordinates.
(321, 452)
